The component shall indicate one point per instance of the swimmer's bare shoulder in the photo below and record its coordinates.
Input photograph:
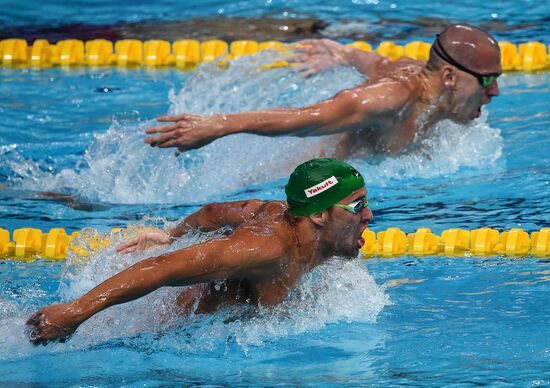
(269, 209)
(269, 220)
(387, 105)
(383, 97)
(401, 66)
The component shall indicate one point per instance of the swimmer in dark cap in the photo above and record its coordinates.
(398, 103)
(271, 246)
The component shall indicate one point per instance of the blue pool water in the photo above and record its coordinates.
(510, 19)
(403, 321)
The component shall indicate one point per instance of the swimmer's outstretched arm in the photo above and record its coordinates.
(210, 217)
(246, 254)
(315, 55)
(349, 111)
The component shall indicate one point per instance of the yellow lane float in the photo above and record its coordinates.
(457, 242)
(186, 54)
(30, 243)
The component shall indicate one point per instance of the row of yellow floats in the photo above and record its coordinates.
(183, 54)
(457, 242)
(55, 245)
(187, 54)
(29, 243)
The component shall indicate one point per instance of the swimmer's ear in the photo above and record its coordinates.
(448, 77)
(319, 219)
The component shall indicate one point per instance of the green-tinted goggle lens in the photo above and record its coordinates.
(354, 207)
(487, 80)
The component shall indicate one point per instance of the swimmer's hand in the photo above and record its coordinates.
(316, 55)
(54, 323)
(148, 239)
(187, 132)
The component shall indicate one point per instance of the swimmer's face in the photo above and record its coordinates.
(346, 228)
(468, 92)
(469, 98)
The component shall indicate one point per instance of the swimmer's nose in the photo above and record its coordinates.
(493, 90)
(366, 215)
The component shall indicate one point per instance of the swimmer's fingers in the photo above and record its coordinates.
(36, 338)
(174, 143)
(161, 128)
(306, 42)
(181, 139)
(44, 335)
(299, 58)
(301, 68)
(36, 334)
(306, 50)
(142, 242)
(157, 141)
(180, 121)
(127, 246)
(184, 116)
(306, 45)
(310, 73)
(306, 70)
(131, 249)
(317, 46)
(34, 319)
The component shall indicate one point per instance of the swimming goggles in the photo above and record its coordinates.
(485, 80)
(354, 207)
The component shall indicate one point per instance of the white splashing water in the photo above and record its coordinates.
(119, 168)
(450, 147)
(340, 291)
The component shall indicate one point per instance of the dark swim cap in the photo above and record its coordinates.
(320, 183)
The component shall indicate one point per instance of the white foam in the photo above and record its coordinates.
(449, 148)
(337, 292)
(13, 340)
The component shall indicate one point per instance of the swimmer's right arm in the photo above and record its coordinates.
(245, 254)
(349, 111)
(210, 217)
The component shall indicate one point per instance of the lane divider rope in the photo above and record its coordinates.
(187, 54)
(30, 243)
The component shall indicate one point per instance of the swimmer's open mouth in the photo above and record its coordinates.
(361, 240)
(478, 111)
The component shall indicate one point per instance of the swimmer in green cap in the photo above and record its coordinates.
(272, 244)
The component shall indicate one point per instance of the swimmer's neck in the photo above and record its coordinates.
(432, 105)
(314, 247)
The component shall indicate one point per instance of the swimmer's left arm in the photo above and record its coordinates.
(315, 55)
(210, 217)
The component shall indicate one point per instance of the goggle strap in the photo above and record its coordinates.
(440, 50)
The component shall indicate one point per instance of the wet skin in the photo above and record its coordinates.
(261, 261)
(396, 106)
(346, 229)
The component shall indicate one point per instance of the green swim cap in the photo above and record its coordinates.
(320, 183)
